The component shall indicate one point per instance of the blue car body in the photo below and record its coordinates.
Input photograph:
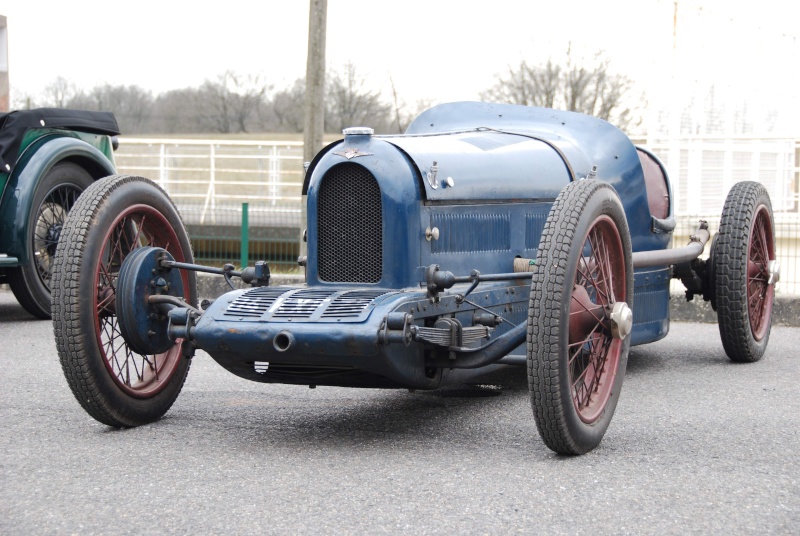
(468, 187)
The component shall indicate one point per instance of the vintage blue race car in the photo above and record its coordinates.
(486, 235)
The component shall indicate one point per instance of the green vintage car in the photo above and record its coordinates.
(48, 156)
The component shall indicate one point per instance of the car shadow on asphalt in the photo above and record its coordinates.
(340, 417)
(643, 359)
(11, 311)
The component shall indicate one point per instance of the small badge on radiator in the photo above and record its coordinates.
(352, 152)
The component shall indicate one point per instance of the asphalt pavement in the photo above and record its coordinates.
(698, 445)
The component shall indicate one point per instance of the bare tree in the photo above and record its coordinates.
(175, 112)
(284, 113)
(349, 103)
(131, 105)
(531, 85)
(23, 101)
(233, 103)
(398, 122)
(403, 113)
(59, 93)
(591, 88)
(229, 103)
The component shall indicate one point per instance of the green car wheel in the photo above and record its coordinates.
(54, 197)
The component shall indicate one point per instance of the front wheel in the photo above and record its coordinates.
(745, 271)
(113, 383)
(580, 317)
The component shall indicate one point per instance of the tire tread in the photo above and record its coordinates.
(548, 289)
(72, 342)
(730, 259)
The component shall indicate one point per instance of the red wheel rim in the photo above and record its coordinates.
(760, 293)
(593, 352)
(141, 376)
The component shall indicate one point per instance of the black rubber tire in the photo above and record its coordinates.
(747, 204)
(577, 210)
(710, 291)
(54, 197)
(112, 384)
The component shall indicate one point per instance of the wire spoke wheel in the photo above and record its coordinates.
(593, 352)
(577, 353)
(745, 270)
(114, 384)
(49, 222)
(136, 374)
(54, 197)
(759, 292)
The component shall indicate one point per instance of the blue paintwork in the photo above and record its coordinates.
(140, 277)
(585, 141)
(348, 347)
(400, 194)
(507, 164)
(35, 161)
(486, 166)
(650, 305)
(486, 238)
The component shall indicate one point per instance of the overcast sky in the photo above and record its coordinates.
(436, 50)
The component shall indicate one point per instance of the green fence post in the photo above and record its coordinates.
(245, 235)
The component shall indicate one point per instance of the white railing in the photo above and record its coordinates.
(210, 179)
(703, 168)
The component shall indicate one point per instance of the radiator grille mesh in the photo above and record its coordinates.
(349, 226)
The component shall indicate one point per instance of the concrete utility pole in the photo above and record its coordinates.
(314, 122)
(315, 80)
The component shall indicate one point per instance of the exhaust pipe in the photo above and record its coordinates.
(665, 257)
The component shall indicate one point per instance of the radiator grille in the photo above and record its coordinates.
(349, 226)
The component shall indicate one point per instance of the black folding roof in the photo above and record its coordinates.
(13, 126)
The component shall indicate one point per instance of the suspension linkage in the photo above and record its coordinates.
(257, 276)
(438, 280)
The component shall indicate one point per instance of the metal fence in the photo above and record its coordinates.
(210, 179)
(703, 168)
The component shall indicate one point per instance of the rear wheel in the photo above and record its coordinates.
(54, 197)
(745, 270)
(580, 317)
(113, 383)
